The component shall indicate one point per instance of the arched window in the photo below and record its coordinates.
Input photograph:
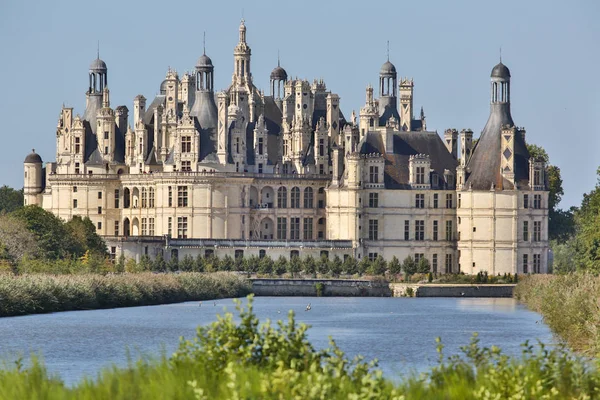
(282, 197)
(126, 199)
(295, 198)
(308, 197)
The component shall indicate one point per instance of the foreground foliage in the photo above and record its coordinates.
(245, 360)
(29, 294)
(569, 305)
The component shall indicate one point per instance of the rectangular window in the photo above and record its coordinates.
(526, 231)
(99, 210)
(448, 263)
(449, 200)
(373, 256)
(537, 263)
(182, 196)
(282, 197)
(419, 230)
(406, 229)
(105, 149)
(420, 200)
(435, 200)
(308, 228)
(321, 147)
(151, 226)
(99, 195)
(76, 167)
(99, 225)
(186, 144)
(260, 146)
(116, 228)
(418, 257)
(435, 230)
(170, 196)
(449, 230)
(77, 145)
(281, 228)
(537, 201)
(182, 226)
(536, 177)
(262, 253)
(239, 254)
(294, 228)
(374, 174)
(170, 226)
(260, 168)
(525, 263)
(144, 198)
(373, 229)
(525, 201)
(434, 263)
(308, 198)
(373, 200)
(74, 189)
(295, 198)
(321, 169)
(117, 198)
(537, 231)
(321, 203)
(186, 166)
(420, 175)
(459, 200)
(105, 135)
(151, 197)
(144, 226)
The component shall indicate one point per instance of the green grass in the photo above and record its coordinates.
(246, 360)
(41, 293)
(569, 304)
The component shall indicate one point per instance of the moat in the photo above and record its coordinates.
(399, 332)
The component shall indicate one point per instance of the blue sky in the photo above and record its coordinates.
(449, 48)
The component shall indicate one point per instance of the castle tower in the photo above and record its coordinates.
(204, 74)
(387, 89)
(98, 80)
(105, 133)
(241, 58)
(32, 188)
(368, 114)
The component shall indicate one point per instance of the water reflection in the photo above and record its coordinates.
(487, 304)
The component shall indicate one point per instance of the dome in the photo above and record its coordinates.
(204, 61)
(33, 158)
(97, 65)
(279, 74)
(163, 87)
(500, 71)
(387, 68)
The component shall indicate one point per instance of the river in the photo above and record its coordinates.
(399, 332)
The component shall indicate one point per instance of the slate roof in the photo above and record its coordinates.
(483, 168)
(396, 173)
(206, 117)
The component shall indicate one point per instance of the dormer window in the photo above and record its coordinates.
(373, 174)
(420, 175)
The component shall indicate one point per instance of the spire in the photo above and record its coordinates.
(500, 54)
(204, 42)
(278, 58)
(242, 31)
(98, 51)
(388, 50)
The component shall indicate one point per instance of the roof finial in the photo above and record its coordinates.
(98, 50)
(278, 58)
(500, 54)
(388, 50)
(204, 42)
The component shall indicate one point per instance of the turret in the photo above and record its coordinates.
(33, 182)
(450, 140)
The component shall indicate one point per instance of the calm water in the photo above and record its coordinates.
(400, 332)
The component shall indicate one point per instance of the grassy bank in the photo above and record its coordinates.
(569, 304)
(229, 360)
(40, 293)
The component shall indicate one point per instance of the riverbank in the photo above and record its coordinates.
(374, 288)
(37, 293)
(569, 305)
(238, 358)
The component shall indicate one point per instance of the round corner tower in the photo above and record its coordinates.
(33, 184)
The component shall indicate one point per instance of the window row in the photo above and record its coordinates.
(537, 201)
(537, 264)
(308, 198)
(537, 231)
(420, 200)
(296, 228)
(419, 230)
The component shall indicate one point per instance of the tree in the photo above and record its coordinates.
(251, 264)
(173, 264)
(159, 264)
(336, 266)
(266, 265)
(10, 199)
(350, 266)
(423, 266)
(364, 265)
(145, 263)
(310, 266)
(84, 237)
(120, 265)
(378, 266)
(226, 264)
(199, 264)
(53, 238)
(394, 266)
(323, 265)
(16, 241)
(409, 266)
(294, 266)
(280, 266)
(187, 263)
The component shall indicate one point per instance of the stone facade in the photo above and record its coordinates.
(243, 172)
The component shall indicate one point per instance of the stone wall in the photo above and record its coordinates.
(453, 290)
(329, 287)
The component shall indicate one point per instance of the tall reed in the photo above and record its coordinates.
(37, 293)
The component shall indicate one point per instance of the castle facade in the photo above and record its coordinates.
(242, 172)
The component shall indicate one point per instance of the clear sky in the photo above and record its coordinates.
(448, 47)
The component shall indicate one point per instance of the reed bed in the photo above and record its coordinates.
(41, 293)
(569, 304)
